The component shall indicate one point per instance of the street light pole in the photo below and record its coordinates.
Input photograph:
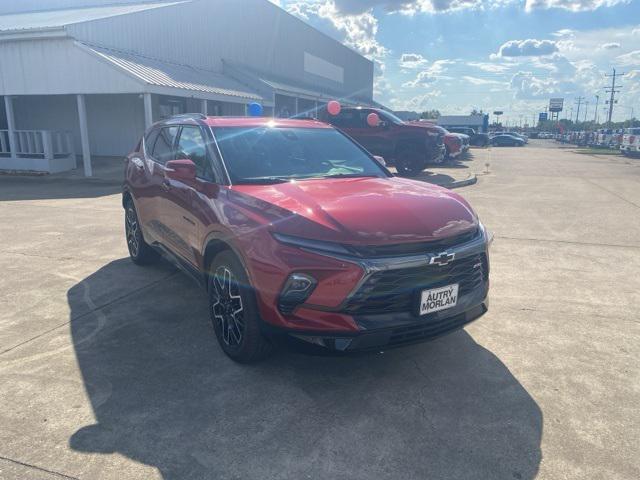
(595, 116)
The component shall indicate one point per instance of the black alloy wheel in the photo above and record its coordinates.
(234, 312)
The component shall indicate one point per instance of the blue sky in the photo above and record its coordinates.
(510, 55)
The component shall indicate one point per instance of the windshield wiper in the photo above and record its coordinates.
(261, 181)
(351, 175)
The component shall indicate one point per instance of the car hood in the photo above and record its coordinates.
(369, 211)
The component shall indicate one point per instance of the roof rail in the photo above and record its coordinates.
(200, 116)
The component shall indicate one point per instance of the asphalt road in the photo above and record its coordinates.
(111, 371)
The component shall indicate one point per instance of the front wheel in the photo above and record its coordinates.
(234, 311)
(408, 163)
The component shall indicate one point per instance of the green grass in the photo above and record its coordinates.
(598, 151)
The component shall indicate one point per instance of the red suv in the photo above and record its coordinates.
(409, 146)
(297, 231)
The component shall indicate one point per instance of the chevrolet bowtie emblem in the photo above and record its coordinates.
(443, 259)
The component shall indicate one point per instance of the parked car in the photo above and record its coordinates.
(504, 140)
(456, 144)
(453, 146)
(475, 138)
(409, 146)
(631, 142)
(607, 138)
(521, 136)
(295, 231)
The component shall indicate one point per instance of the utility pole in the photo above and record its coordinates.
(595, 116)
(612, 90)
(586, 109)
(579, 100)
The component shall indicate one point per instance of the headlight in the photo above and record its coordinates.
(488, 235)
(316, 245)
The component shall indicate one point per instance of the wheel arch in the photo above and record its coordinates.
(214, 245)
(126, 198)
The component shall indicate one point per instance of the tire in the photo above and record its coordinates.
(140, 252)
(408, 162)
(234, 311)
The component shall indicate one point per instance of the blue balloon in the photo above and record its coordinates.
(255, 109)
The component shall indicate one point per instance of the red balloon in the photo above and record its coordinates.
(373, 119)
(334, 107)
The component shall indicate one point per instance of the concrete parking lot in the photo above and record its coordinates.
(112, 371)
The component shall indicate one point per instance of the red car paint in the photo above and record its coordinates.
(186, 218)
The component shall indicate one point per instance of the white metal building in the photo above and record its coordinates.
(88, 76)
(479, 122)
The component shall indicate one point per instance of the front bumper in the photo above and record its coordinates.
(392, 336)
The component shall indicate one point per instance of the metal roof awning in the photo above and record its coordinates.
(174, 79)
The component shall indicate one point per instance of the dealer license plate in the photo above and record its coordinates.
(438, 299)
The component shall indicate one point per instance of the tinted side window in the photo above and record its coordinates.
(192, 145)
(351, 119)
(150, 139)
(163, 148)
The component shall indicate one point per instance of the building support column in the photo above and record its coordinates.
(84, 135)
(148, 110)
(297, 108)
(204, 107)
(11, 125)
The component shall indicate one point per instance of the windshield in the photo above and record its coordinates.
(388, 116)
(266, 155)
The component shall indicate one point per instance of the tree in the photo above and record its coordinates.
(477, 112)
(430, 115)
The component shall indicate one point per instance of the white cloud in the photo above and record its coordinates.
(629, 59)
(408, 7)
(527, 48)
(610, 45)
(482, 81)
(571, 5)
(423, 78)
(412, 60)
(418, 103)
(431, 74)
(565, 32)
(489, 67)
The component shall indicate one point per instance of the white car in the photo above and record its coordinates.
(631, 142)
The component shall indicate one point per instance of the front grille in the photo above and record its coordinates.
(393, 291)
(403, 249)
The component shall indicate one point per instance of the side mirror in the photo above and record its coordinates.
(183, 170)
(380, 160)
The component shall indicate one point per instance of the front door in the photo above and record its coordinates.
(159, 148)
(181, 197)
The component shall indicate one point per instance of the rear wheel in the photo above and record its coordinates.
(408, 162)
(140, 252)
(234, 311)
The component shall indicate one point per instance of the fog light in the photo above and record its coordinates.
(296, 290)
